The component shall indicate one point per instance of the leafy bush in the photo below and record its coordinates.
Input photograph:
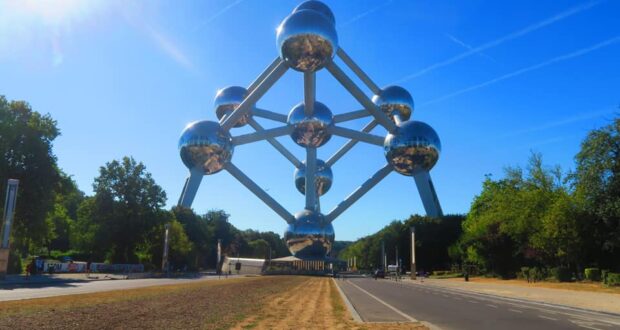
(613, 279)
(561, 274)
(524, 274)
(15, 263)
(604, 273)
(593, 274)
(440, 272)
(537, 274)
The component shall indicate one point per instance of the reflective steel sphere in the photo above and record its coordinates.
(307, 40)
(311, 131)
(395, 99)
(309, 236)
(204, 144)
(413, 148)
(317, 6)
(228, 99)
(322, 179)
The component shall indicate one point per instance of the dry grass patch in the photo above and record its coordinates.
(575, 286)
(313, 304)
(205, 304)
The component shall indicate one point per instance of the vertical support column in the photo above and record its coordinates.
(9, 211)
(413, 269)
(164, 260)
(428, 195)
(191, 187)
(309, 92)
(311, 193)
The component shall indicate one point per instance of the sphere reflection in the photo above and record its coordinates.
(317, 6)
(227, 100)
(322, 180)
(309, 236)
(413, 148)
(312, 131)
(205, 145)
(307, 40)
(395, 100)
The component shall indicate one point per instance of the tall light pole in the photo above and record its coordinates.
(9, 210)
(165, 267)
(412, 229)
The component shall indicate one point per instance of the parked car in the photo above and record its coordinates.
(379, 273)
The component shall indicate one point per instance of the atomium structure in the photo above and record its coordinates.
(307, 42)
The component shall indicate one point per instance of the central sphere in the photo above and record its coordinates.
(322, 179)
(307, 40)
(309, 236)
(205, 145)
(311, 131)
(227, 100)
(394, 100)
(413, 148)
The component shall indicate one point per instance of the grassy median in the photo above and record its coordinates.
(268, 302)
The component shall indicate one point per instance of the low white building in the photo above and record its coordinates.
(243, 266)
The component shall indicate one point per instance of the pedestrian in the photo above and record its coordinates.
(29, 269)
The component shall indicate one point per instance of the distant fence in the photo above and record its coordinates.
(95, 267)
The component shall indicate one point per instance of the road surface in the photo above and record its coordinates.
(446, 308)
(41, 290)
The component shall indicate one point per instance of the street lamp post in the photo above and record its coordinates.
(412, 229)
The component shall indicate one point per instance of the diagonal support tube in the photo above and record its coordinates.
(261, 135)
(311, 193)
(356, 135)
(351, 115)
(260, 193)
(287, 154)
(269, 115)
(264, 74)
(357, 93)
(428, 195)
(359, 192)
(349, 145)
(229, 121)
(358, 71)
(191, 187)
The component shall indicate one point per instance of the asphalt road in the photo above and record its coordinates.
(41, 290)
(443, 308)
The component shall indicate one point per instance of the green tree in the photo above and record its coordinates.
(597, 184)
(26, 139)
(127, 205)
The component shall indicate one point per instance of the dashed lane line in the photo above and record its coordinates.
(492, 306)
(515, 310)
(547, 317)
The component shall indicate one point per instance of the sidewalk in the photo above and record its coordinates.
(12, 280)
(596, 301)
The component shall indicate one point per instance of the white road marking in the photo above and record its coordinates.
(546, 317)
(493, 306)
(515, 310)
(472, 301)
(398, 311)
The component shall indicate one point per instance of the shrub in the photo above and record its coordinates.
(537, 274)
(604, 273)
(525, 273)
(613, 279)
(561, 274)
(15, 263)
(593, 274)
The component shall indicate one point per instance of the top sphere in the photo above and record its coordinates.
(413, 148)
(395, 100)
(317, 6)
(307, 40)
(205, 145)
(310, 131)
(227, 100)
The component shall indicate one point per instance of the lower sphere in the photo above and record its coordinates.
(205, 145)
(309, 236)
(413, 148)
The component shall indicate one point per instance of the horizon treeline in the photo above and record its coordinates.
(537, 217)
(123, 222)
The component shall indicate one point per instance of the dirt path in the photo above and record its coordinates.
(313, 304)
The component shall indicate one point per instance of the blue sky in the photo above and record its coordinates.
(496, 79)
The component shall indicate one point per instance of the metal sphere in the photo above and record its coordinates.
(393, 100)
(413, 148)
(227, 100)
(309, 236)
(323, 178)
(307, 40)
(317, 6)
(205, 145)
(311, 131)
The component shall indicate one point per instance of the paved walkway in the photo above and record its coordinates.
(597, 301)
